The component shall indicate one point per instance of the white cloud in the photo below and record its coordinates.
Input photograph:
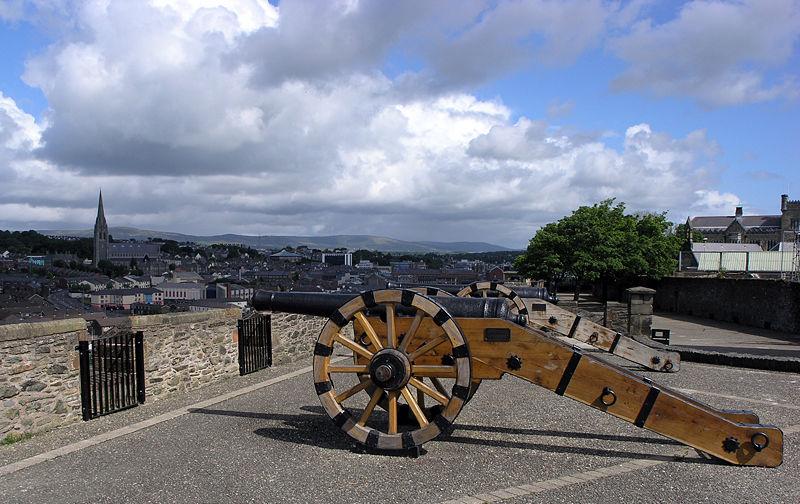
(717, 52)
(714, 203)
(238, 117)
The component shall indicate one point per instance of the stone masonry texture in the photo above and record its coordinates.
(768, 304)
(40, 370)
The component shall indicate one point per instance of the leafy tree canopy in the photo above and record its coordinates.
(602, 243)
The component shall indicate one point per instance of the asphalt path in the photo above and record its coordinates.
(274, 444)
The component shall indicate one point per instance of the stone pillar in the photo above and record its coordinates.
(640, 310)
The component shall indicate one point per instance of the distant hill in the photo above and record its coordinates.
(353, 242)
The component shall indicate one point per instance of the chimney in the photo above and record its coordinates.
(738, 211)
(784, 202)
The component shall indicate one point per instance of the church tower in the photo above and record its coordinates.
(100, 234)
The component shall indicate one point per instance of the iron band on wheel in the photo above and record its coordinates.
(483, 289)
(386, 368)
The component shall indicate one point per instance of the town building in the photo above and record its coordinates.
(338, 258)
(182, 291)
(122, 299)
(285, 255)
(768, 231)
(118, 252)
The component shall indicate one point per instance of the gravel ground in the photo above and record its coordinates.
(276, 445)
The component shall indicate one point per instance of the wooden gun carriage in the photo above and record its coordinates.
(542, 311)
(409, 347)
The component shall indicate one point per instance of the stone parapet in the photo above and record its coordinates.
(40, 369)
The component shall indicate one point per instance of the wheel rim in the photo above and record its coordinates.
(482, 289)
(432, 292)
(387, 366)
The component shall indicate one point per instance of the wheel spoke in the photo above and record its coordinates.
(429, 345)
(485, 294)
(434, 371)
(371, 334)
(393, 412)
(440, 396)
(440, 387)
(352, 345)
(348, 369)
(391, 334)
(352, 391)
(418, 414)
(412, 330)
(373, 401)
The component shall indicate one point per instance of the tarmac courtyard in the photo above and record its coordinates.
(264, 438)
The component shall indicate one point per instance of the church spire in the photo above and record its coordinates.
(100, 233)
(101, 215)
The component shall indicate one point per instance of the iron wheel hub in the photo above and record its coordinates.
(390, 369)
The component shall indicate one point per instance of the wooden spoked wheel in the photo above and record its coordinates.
(432, 291)
(483, 289)
(391, 367)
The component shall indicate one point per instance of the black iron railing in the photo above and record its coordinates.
(112, 373)
(255, 343)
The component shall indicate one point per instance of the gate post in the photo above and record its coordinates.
(240, 343)
(86, 394)
(139, 351)
(268, 324)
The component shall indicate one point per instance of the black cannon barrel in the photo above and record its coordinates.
(324, 304)
(524, 292)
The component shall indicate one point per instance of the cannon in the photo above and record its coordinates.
(540, 307)
(405, 342)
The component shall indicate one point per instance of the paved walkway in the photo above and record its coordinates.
(264, 438)
(726, 337)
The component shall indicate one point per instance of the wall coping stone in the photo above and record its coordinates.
(640, 290)
(38, 329)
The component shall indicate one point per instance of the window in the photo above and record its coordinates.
(795, 225)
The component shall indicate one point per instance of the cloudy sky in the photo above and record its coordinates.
(420, 120)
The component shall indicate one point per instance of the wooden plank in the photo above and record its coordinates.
(566, 323)
(348, 369)
(553, 365)
(414, 405)
(433, 371)
(352, 345)
(392, 412)
(424, 389)
(369, 329)
(373, 401)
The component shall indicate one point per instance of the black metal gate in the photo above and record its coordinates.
(112, 373)
(255, 343)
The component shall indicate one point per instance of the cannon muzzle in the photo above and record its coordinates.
(324, 304)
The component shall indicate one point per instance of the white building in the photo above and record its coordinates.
(182, 291)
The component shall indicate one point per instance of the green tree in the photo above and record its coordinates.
(602, 244)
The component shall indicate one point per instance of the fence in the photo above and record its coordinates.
(112, 373)
(748, 262)
(255, 343)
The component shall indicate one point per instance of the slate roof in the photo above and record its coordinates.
(768, 223)
(285, 253)
(126, 292)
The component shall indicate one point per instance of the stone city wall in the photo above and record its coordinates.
(294, 336)
(39, 375)
(768, 304)
(40, 369)
(183, 351)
